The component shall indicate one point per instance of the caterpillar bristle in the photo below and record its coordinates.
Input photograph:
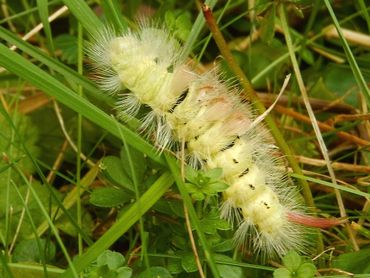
(127, 106)
(219, 130)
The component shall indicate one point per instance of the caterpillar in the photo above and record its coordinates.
(217, 127)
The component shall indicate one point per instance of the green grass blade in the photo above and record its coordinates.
(44, 13)
(135, 181)
(113, 15)
(59, 67)
(351, 59)
(332, 185)
(45, 82)
(129, 218)
(26, 12)
(84, 15)
(195, 30)
(49, 220)
(365, 13)
(4, 267)
(29, 216)
(70, 199)
(34, 270)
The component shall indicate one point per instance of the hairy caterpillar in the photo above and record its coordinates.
(218, 128)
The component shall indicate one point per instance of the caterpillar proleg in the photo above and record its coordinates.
(220, 131)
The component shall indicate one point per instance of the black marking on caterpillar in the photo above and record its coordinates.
(246, 171)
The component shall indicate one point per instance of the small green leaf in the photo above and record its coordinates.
(214, 173)
(223, 246)
(87, 223)
(177, 208)
(68, 46)
(213, 239)
(307, 56)
(170, 207)
(183, 26)
(155, 272)
(109, 265)
(114, 171)
(188, 262)
(191, 174)
(355, 262)
(218, 186)
(214, 215)
(109, 197)
(191, 188)
(138, 161)
(124, 272)
(14, 201)
(332, 73)
(174, 266)
(282, 273)
(169, 19)
(292, 261)
(222, 224)
(179, 242)
(103, 272)
(179, 23)
(28, 251)
(198, 196)
(11, 146)
(306, 270)
(208, 226)
(211, 225)
(226, 270)
(202, 183)
(111, 259)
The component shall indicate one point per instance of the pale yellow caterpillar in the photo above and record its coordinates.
(218, 128)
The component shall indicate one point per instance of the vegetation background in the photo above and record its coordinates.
(75, 182)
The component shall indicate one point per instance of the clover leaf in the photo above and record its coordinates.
(295, 267)
(204, 183)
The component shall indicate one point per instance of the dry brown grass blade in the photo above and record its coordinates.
(336, 165)
(33, 103)
(351, 36)
(324, 127)
(345, 117)
(317, 104)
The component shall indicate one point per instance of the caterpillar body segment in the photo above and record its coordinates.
(217, 127)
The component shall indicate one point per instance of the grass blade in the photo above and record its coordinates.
(129, 218)
(44, 13)
(59, 67)
(114, 16)
(351, 59)
(332, 185)
(48, 219)
(84, 15)
(39, 78)
(195, 30)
